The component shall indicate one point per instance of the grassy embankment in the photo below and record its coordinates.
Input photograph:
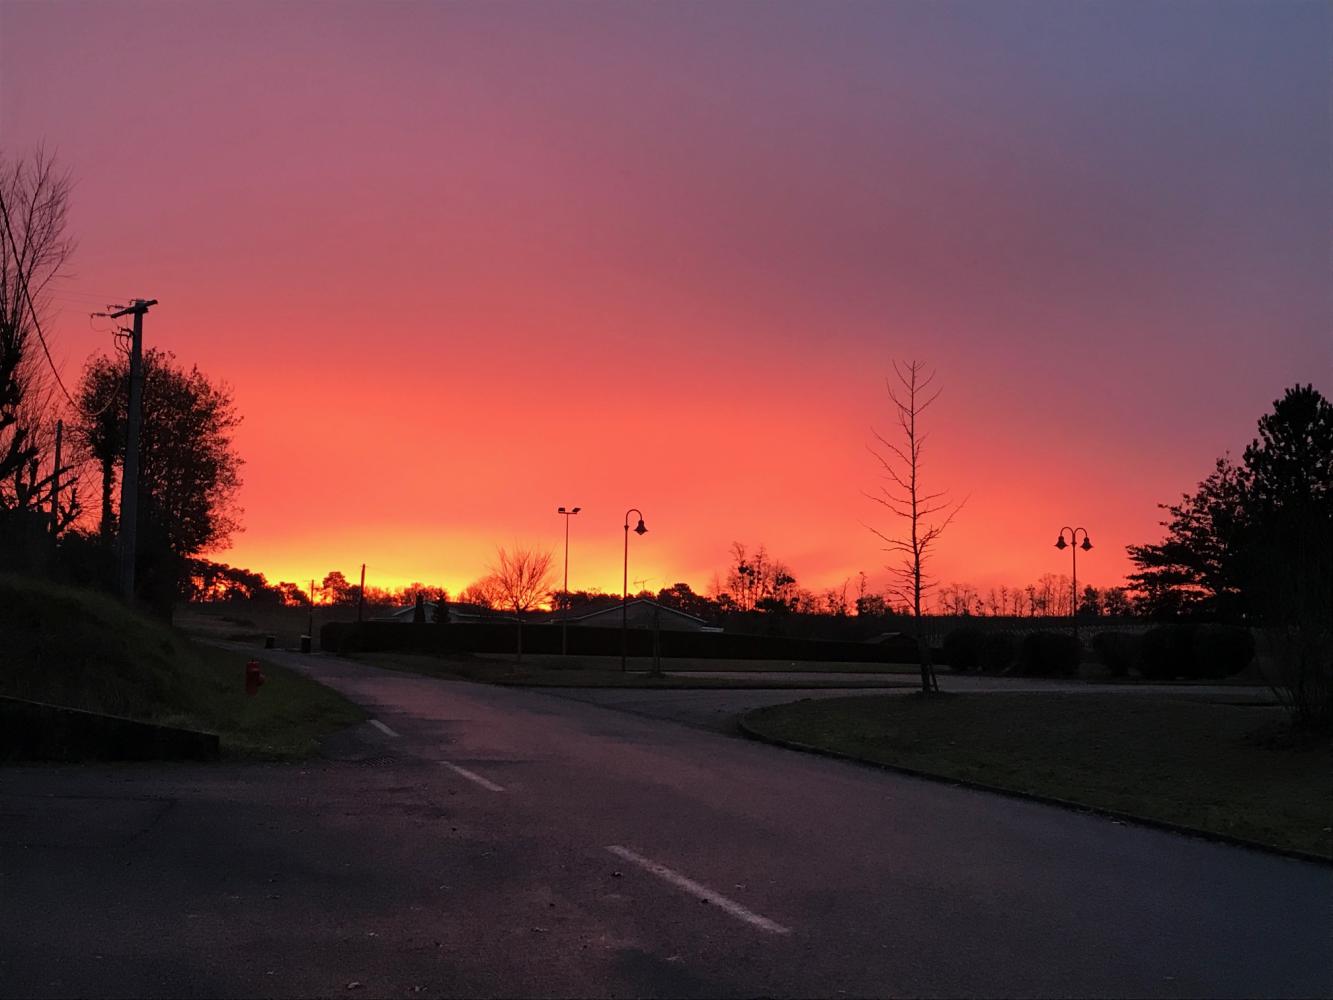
(85, 650)
(1229, 769)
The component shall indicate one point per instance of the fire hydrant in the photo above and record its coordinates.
(254, 677)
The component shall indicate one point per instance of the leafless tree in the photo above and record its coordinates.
(927, 514)
(522, 579)
(34, 250)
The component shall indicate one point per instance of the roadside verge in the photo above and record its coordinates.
(1043, 748)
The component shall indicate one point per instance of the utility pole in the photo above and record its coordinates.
(564, 593)
(361, 594)
(55, 482)
(129, 483)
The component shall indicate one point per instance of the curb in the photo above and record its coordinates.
(749, 732)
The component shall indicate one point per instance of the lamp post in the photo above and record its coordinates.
(1073, 547)
(639, 529)
(564, 593)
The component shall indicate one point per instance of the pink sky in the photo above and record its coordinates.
(464, 263)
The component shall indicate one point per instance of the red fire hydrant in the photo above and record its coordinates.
(253, 677)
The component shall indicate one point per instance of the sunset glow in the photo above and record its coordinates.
(465, 263)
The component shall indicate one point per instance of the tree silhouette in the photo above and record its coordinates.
(34, 249)
(927, 514)
(189, 471)
(335, 589)
(522, 580)
(1198, 567)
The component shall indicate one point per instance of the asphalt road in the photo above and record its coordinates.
(489, 841)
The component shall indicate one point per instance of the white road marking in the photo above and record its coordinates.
(473, 776)
(382, 727)
(702, 891)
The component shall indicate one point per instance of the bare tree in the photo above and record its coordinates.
(34, 249)
(927, 514)
(522, 579)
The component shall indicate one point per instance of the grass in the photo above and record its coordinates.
(1220, 768)
(251, 622)
(85, 650)
(576, 673)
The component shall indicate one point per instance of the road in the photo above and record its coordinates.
(490, 841)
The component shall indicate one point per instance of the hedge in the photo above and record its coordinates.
(1196, 652)
(1049, 654)
(499, 637)
(1119, 652)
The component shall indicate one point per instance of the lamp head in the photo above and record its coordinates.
(640, 528)
(1060, 542)
(576, 510)
(1087, 543)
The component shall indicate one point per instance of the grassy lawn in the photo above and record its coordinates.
(86, 650)
(250, 622)
(286, 720)
(1221, 768)
(551, 671)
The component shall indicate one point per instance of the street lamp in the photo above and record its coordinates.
(564, 593)
(639, 529)
(1073, 546)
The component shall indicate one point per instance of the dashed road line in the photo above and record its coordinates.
(473, 776)
(383, 728)
(724, 904)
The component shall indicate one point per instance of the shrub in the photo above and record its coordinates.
(998, 651)
(1049, 654)
(1168, 651)
(1118, 651)
(962, 648)
(1222, 650)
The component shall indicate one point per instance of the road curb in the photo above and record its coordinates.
(750, 732)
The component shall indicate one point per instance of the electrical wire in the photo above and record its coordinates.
(37, 325)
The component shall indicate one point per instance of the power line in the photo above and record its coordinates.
(37, 324)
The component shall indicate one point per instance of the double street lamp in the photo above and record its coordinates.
(639, 529)
(1073, 545)
(564, 593)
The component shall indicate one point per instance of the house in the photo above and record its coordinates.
(404, 615)
(642, 613)
(458, 614)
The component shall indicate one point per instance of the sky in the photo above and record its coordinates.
(463, 263)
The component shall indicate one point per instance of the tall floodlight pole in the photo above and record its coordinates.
(639, 529)
(129, 483)
(564, 592)
(1073, 547)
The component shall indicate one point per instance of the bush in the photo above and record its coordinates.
(1168, 651)
(1049, 654)
(962, 648)
(998, 652)
(1221, 650)
(1119, 652)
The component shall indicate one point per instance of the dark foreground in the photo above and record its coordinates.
(511, 843)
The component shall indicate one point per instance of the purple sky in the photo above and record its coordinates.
(465, 262)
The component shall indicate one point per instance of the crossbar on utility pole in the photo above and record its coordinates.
(129, 483)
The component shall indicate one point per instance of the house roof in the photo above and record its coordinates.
(615, 610)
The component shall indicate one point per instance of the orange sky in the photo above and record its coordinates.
(465, 263)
